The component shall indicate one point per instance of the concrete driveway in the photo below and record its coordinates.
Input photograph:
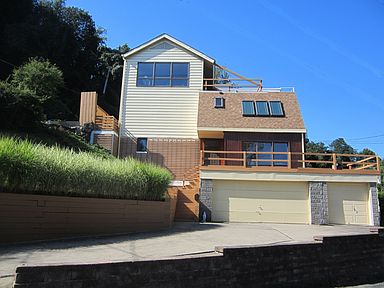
(182, 240)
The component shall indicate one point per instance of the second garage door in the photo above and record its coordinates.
(348, 203)
(256, 201)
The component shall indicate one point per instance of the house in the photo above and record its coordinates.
(235, 148)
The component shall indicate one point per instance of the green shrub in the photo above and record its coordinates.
(18, 107)
(33, 168)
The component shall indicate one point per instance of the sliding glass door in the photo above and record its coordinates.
(265, 157)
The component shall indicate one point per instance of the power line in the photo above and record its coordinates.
(354, 139)
(368, 137)
(6, 62)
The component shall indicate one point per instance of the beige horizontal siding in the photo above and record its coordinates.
(161, 111)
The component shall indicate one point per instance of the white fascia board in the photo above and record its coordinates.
(170, 39)
(287, 176)
(269, 130)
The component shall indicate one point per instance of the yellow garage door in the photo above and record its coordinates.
(348, 203)
(257, 201)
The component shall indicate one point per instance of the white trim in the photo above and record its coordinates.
(171, 39)
(303, 149)
(286, 176)
(272, 130)
(179, 183)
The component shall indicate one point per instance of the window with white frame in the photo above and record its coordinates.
(162, 74)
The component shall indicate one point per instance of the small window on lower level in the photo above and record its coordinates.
(142, 144)
(219, 102)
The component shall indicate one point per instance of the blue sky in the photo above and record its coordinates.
(332, 52)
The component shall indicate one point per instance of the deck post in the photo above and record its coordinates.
(378, 163)
(289, 160)
(334, 161)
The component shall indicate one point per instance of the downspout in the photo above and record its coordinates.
(121, 109)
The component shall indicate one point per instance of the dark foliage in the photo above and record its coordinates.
(67, 37)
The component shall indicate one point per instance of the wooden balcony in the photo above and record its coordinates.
(291, 162)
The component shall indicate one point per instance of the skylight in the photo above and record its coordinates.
(248, 108)
(276, 108)
(262, 108)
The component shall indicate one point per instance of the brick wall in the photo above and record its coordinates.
(336, 261)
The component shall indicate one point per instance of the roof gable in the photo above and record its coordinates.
(161, 44)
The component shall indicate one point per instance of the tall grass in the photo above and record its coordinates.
(34, 168)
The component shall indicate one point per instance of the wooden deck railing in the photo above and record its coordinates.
(109, 123)
(232, 84)
(290, 160)
(104, 121)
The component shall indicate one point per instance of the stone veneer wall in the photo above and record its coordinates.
(206, 189)
(374, 203)
(318, 193)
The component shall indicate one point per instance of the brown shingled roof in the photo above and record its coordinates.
(231, 117)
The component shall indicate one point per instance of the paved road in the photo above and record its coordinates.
(182, 239)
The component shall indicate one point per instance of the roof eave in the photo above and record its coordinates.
(171, 39)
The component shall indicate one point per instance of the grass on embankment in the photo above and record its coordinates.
(55, 136)
(26, 167)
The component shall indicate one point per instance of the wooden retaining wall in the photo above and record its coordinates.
(38, 217)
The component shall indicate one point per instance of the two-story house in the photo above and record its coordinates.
(236, 149)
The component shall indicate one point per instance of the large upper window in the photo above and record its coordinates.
(162, 74)
(276, 108)
(248, 108)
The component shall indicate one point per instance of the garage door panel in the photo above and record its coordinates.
(252, 201)
(244, 216)
(348, 203)
(220, 216)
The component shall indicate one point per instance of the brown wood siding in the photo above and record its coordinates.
(179, 156)
(233, 142)
(107, 141)
(39, 217)
(88, 107)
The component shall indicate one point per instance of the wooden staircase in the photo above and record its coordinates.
(187, 207)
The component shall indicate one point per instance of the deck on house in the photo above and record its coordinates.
(290, 162)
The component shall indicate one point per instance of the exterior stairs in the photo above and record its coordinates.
(187, 207)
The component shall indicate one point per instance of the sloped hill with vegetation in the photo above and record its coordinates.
(26, 167)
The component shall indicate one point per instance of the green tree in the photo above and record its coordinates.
(66, 36)
(367, 151)
(109, 76)
(19, 107)
(316, 147)
(340, 146)
(380, 187)
(39, 76)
